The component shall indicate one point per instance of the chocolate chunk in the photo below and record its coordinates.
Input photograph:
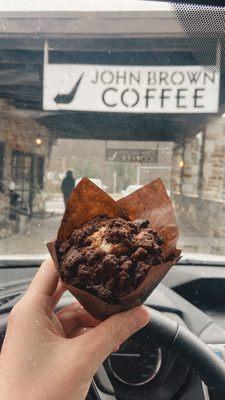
(116, 223)
(140, 273)
(101, 291)
(133, 228)
(122, 259)
(123, 281)
(127, 266)
(65, 247)
(109, 265)
(139, 255)
(111, 284)
(141, 223)
(82, 276)
(110, 261)
(117, 235)
(72, 260)
(148, 240)
(159, 239)
(92, 256)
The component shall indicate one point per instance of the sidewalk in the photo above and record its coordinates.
(38, 231)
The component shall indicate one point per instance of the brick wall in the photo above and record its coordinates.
(214, 161)
(198, 187)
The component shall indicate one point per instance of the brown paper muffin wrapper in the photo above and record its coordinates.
(150, 202)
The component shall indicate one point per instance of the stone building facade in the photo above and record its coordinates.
(198, 182)
(24, 148)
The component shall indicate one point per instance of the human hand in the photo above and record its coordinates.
(54, 356)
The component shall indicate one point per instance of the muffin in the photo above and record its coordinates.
(110, 257)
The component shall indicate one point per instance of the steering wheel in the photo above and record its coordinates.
(167, 333)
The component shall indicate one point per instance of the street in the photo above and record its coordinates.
(40, 231)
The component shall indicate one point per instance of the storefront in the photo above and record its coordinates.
(136, 79)
(24, 145)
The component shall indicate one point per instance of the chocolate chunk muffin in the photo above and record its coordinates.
(110, 257)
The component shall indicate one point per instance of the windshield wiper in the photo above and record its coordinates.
(26, 260)
(21, 261)
(202, 259)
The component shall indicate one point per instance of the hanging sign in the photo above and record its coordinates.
(132, 155)
(133, 89)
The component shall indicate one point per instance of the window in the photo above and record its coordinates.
(2, 160)
(40, 172)
(21, 175)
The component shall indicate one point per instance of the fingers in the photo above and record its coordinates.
(79, 332)
(73, 317)
(60, 289)
(107, 336)
(45, 280)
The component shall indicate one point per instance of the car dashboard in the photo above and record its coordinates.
(193, 295)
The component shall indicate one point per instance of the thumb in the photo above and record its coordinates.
(110, 334)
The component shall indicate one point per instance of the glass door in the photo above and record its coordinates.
(22, 177)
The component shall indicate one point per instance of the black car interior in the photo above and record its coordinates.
(187, 312)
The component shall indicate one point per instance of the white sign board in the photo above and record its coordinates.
(136, 89)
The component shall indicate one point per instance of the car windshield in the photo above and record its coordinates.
(120, 92)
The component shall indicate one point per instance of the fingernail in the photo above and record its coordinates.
(141, 316)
